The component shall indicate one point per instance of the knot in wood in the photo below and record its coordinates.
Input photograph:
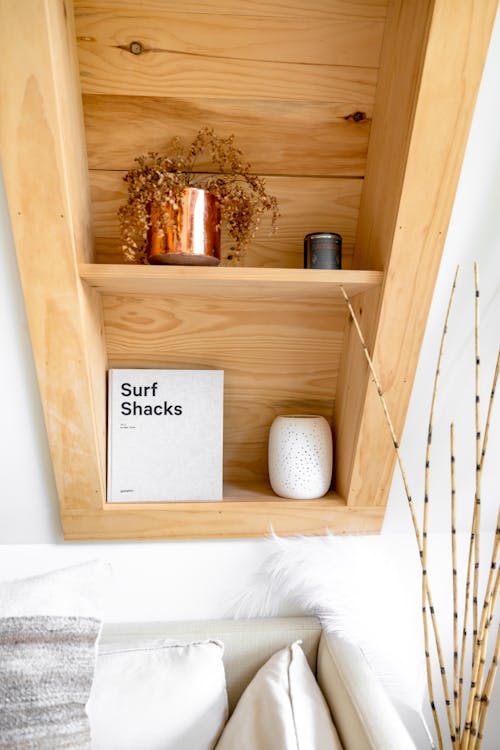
(136, 48)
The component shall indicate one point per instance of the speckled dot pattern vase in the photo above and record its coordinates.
(300, 456)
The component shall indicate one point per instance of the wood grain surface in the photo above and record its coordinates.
(112, 70)
(277, 137)
(341, 38)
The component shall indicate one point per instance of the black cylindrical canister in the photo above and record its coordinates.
(323, 250)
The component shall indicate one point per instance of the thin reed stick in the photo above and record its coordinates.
(490, 408)
(485, 699)
(465, 616)
(455, 738)
(481, 643)
(474, 535)
(480, 637)
(477, 504)
(413, 518)
(479, 705)
(454, 581)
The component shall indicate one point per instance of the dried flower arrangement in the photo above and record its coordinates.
(465, 712)
(159, 180)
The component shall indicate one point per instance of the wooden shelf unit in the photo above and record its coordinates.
(364, 136)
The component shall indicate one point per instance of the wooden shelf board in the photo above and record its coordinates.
(256, 492)
(226, 281)
(249, 509)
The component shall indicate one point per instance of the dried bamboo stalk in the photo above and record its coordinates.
(416, 529)
(481, 644)
(454, 582)
(430, 688)
(477, 504)
(474, 536)
(480, 637)
(455, 736)
(490, 680)
(479, 706)
(484, 706)
(465, 616)
(490, 408)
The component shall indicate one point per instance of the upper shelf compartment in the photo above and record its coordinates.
(227, 281)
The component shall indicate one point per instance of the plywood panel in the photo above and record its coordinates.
(430, 97)
(340, 37)
(306, 205)
(271, 133)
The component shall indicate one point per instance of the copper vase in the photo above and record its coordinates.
(191, 233)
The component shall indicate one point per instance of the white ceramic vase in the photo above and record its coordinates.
(300, 456)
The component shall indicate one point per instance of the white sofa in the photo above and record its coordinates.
(364, 716)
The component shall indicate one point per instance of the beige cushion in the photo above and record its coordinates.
(363, 714)
(159, 697)
(282, 708)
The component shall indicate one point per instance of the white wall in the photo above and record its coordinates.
(198, 579)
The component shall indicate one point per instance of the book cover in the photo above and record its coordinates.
(165, 435)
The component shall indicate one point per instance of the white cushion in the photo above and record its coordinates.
(282, 707)
(162, 696)
(77, 591)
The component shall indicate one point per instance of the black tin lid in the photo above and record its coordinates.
(337, 238)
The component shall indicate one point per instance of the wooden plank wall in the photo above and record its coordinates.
(285, 77)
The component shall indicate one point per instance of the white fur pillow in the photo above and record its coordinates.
(161, 696)
(282, 708)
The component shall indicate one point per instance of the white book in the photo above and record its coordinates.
(165, 435)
